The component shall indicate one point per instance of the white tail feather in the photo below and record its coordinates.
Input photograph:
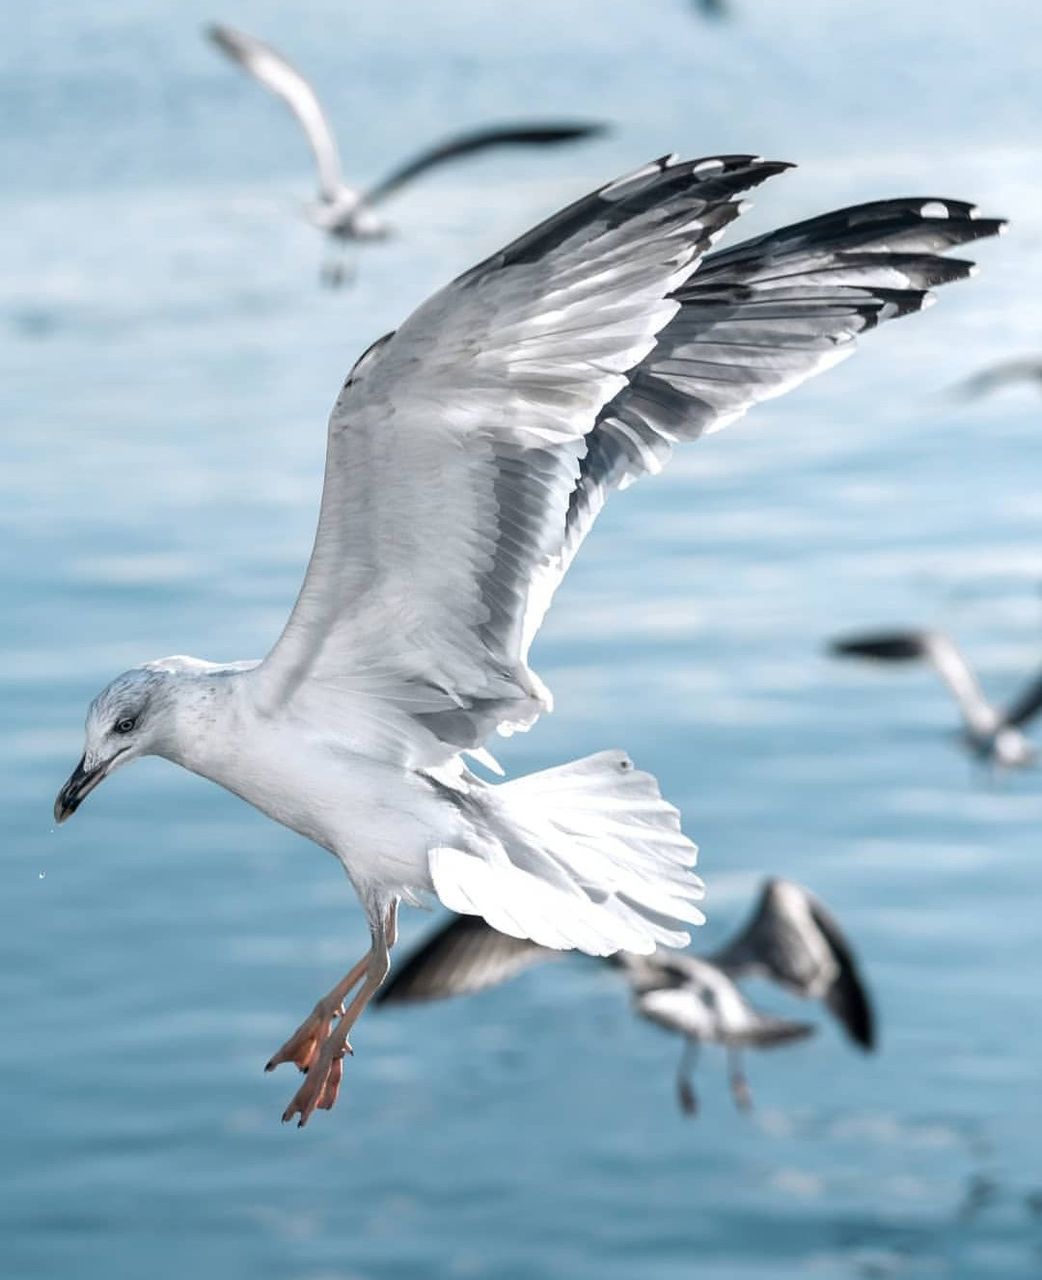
(587, 855)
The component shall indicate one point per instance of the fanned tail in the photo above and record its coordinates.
(586, 855)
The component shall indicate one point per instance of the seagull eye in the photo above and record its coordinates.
(125, 724)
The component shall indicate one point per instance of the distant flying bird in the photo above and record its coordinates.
(468, 456)
(790, 939)
(1006, 374)
(990, 732)
(348, 213)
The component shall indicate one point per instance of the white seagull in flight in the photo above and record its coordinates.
(347, 213)
(790, 939)
(468, 455)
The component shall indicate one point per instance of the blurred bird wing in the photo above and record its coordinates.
(476, 140)
(453, 451)
(951, 665)
(283, 79)
(463, 956)
(1027, 706)
(792, 940)
(1000, 375)
(941, 652)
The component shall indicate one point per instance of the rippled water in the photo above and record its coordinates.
(168, 362)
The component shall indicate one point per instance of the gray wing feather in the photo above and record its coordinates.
(464, 956)
(281, 78)
(762, 317)
(1027, 706)
(793, 940)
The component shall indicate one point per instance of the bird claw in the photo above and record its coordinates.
(305, 1043)
(319, 1091)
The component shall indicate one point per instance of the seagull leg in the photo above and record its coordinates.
(326, 1069)
(740, 1091)
(303, 1044)
(686, 1095)
(338, 270)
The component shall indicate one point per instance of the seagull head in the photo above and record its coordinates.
(127, 719)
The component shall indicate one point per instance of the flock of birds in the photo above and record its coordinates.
(469, 453)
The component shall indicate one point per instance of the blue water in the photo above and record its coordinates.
(167, 365)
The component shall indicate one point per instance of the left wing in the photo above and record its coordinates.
(453, 450)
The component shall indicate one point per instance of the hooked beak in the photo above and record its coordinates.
(80, 784)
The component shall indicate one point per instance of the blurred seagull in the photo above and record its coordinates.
(715, 9)
(1006, 374)
(790, 939)
(990, 732)
(468, 456)
(344, 212)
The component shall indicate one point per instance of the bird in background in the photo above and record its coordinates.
(992, 733)
(790, 939)
(1026, 371)
(349, 213)
(468, 456)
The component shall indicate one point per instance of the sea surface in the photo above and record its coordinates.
(168, 360)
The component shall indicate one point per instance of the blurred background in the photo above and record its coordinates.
(168, 362)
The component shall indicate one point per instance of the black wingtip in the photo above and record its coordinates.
(847, 998)
(894, 646)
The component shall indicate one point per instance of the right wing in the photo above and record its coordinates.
(791, 939)
(1027, 706)
(466, 144)
(282, 79)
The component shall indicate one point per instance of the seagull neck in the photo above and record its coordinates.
(209, 713)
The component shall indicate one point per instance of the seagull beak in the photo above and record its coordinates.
(81, 783)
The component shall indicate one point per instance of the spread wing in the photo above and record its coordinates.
(470, 452)
(282, 79)
(476, 140)
(757, 320)
(453, 452)
(792, 940)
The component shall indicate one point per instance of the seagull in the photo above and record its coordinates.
(790, 939)
(715, 9)
(344, 212)
(992, 733)
(1005, 374)
(468, 455)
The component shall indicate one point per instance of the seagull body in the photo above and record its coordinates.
(789, 939)
(468, 455)
(344, 212)
(992, 733)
